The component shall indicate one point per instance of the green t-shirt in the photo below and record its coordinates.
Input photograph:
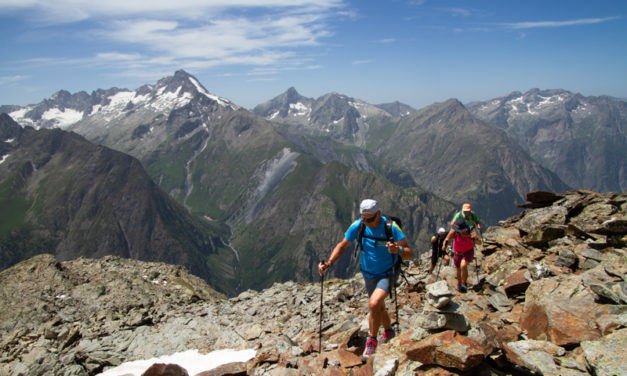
(471, 218)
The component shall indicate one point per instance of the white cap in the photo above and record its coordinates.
(368, 206)
(441, 230)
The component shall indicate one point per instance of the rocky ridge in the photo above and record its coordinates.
(549, 297)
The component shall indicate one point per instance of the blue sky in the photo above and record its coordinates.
(249, 51)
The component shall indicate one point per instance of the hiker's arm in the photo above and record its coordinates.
(335, 255)
(475, 237)
(398, 245)
(448, 239)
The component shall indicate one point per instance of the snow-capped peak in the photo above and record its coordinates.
(64, 110)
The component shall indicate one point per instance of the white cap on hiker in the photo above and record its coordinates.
(441, 230)
(368, 207)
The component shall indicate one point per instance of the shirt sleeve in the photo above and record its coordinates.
(397, 233)
(352, 232)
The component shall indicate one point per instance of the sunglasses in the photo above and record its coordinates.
(370, 219)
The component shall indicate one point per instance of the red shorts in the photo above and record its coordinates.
(468, 256)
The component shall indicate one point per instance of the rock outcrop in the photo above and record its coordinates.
(548, 296)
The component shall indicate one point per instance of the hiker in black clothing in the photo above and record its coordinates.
(436, 249)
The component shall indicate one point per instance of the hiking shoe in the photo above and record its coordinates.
(371, 345)
(464, 288)
(388, 334)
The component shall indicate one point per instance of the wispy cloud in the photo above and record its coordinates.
(63, 11)
(361, 62)
(552, 24)
(417, 2)
(385, 40)
(5, 80)
(191, 33)
(459, 12)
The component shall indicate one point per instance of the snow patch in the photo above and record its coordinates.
(4, 158)
(299, 109)
(9, 140)
(221, 101)
(95, 109)
(518, 106)
(19, 113)
(169, 101)
(198, 86)
(355, 104)
(63, 119)
(191, 360)
(274, 115)
(19, 117)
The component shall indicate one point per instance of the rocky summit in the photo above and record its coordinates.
(547, 296)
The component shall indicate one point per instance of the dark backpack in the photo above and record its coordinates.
(389, 221)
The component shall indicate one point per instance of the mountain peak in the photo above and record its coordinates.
(183, 83)
(182, 74)
(291, 91)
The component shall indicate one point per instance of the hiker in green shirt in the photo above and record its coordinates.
(469, 216)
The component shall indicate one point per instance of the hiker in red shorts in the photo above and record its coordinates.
(464, 239)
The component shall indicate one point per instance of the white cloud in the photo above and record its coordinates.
(166, 34)
(116, 56)
(385, 40)
(62, 11)
(544, 24)
(5, 80)
(459, 12)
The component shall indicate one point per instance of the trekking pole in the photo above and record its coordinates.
(437, 275)
(398, 327)
(320, 330)
(476, 286)
(439, 261)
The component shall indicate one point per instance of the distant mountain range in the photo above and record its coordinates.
(441, 148)
(284, 208)
(273, 189)
(582, 139)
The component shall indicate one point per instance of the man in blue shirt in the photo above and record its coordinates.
(378, 256)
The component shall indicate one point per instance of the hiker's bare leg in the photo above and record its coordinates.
(464, 271)
(378, 315)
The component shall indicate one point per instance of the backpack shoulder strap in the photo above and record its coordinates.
(360, 234)
(388, 229)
